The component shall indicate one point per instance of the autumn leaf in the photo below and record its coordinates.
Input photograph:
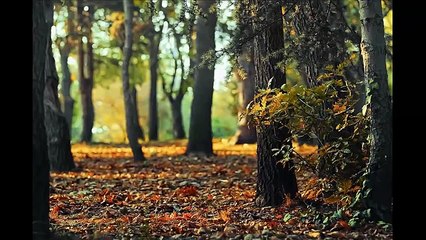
(55, 211)
(209, 197)
(187, 191)
(339, 108)
(344, 224)
(224, 215)
(332, 200)
(314, 234)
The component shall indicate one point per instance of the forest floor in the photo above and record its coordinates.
(178, 197)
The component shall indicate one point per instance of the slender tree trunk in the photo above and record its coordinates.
(129, 92)
(246, 134)
(58, 134)
(178, 130)
(66, 88)
(66, 74)
(274, 180)
(200, 129)
(378, 186)
(153, 66)
(85, 75)
(139, 129)
(42, 21)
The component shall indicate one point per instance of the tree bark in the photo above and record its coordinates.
(378, 186)
(323, 38)
(274, 180)
(58, 134)
(129, 92)
(66, 74)
(66, 88)
(200, 129)
(246, 134)
(85, 74)
(153, 66)
(178, 130)
(42, 21)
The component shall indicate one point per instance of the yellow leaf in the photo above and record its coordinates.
(224, 215)
(345, 185)
(313, 234)
(332, 200)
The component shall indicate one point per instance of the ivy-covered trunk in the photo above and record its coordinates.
(129, 92)
(274, 180)
(200, 129)
(58, 134)
(42, 21)
(377, 188)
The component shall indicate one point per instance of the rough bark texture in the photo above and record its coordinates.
(129, 92)
(58, 134)
(42, 21)
(378, 186)
(246, 134)
(85, 73)
(274, 180)
(200, 129)
(323, 38)
(66, 74)
(153, 66)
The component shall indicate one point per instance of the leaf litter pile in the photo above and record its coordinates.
(178, 197)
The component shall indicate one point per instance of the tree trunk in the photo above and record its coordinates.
(66, 88)
(85, 67)
(129, 92)
(139, 129)
(378, 186)
(200, 129)
(58, 134)
(66, 74)
(274, 180)
(323, 34)
(178, 130)
(153, 66)
(246, 134)
(42, 21)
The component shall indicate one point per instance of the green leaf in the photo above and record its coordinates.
(364, 109)
(287, 217)
(346, 151)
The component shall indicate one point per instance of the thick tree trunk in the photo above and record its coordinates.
(378, 186)
(246, 134)
(178, 130)
(153, 66)
(274, 180)
(42, 21)
(129, 92)
(66, 74)
(85, 76)
(323, 31)
(200, 129)
(58, 134)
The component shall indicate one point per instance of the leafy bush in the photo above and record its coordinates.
(326, 112)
